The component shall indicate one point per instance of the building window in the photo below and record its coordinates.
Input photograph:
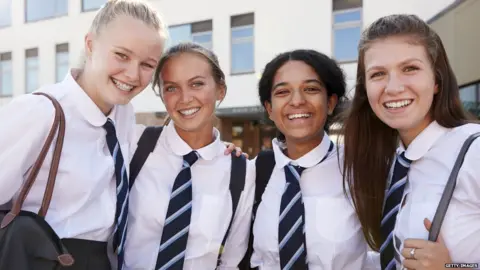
(31, 70)
(199, 32)
(36, 10)
(242, 51)
(470, 97)
(88, 5)
(347, 29)
(5, 13)
(61, 61)
(6, 86)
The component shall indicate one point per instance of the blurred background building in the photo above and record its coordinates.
(41, 39)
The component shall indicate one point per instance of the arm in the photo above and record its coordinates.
(24, 125)
(237, 241)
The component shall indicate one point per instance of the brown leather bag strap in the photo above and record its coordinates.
(58, 125)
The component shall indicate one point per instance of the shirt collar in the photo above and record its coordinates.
(180, 148)
(88, 109)
(308, 160)
(423, 142)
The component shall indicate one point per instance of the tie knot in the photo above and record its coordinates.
(295, 170)
(191, 158)
(109, 126)
(402, 159)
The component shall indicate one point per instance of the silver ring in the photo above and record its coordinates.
(412, 253)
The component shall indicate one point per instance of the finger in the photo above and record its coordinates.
(238, 151)
(411, 264)
(415, 243)
(428, 226)
(230, 148)
(418, 254)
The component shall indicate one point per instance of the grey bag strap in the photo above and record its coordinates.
(449, 188)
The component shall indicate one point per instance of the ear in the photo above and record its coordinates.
(332, 103)
(268, 107)
(88, 45)
(221, 93)
(435, 89)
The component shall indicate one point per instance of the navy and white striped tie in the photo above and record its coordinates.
(175, 231)
(121, 212)
(291, 228)
(392, 206)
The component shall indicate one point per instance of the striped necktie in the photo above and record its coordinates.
(392, 206)
(173, 244)
(121, 211)
(291, 228)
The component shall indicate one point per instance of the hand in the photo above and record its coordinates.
(231, 147)
(428, 255)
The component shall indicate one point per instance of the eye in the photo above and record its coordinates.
(377, 74)
(121, 56)
(410, 68)
(148, 65)
(312, 89)
(169, 88)
(197, 84)
(281, 92)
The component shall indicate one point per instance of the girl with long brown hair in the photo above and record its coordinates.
(402, 135)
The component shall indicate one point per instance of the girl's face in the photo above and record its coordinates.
(121, 58)
(299, 102)
(190, 92)
(400, 84)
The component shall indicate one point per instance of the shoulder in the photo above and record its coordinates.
(27, 107)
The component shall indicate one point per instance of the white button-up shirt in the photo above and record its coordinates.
(211, 205)
(433, 153)
(333, 232)
(84, 197)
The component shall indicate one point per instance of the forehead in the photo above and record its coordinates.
(133, 34)
(394, 50)
(295, 71)
(185, 66)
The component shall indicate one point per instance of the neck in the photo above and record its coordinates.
(197, 139)
(297, 149)
(88, 87)
(407, 136)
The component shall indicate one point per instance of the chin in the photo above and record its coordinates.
(301, 135)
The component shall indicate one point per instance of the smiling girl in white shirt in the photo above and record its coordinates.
(407, 94)
(304, 219)
(181, 206)
(123, 47)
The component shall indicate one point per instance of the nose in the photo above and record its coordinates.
(394, 85)
(132, 72)
(186, 96)
(297, 98)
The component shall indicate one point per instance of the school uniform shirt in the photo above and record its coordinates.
(433, 153)
(211, 205)
(84, 195)
(334, 238)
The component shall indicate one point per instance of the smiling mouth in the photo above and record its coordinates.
(398, 104)
(122, 86)
(299, 116)
(189, 112)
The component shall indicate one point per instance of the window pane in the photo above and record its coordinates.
(202, 38)
(43, 9)
(6, 87)
(350, 16)
(5, 13)
(345, 43)
(181, 33)
(62, 65)
(31, 74)
(242, 57)
(468, 95)
(92, 4)
(242, 32)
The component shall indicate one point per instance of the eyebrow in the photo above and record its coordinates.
(191, 79)
(306, 81)
(131, 52)
(408, 60)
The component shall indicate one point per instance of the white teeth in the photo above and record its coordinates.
(398, 104)
(299, 115)
(122, 86)
(189, 111)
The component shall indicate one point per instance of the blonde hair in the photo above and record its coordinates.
(138, 9)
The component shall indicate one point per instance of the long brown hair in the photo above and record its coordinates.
(369, 143)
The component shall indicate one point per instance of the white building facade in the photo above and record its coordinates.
(41, 39)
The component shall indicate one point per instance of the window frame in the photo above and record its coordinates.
(27, 69)
(239, 41)
(26, 20)
(345, 25)
(2, 94)
(90, 9)
(58, 50)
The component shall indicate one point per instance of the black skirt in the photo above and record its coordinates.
(88, 255)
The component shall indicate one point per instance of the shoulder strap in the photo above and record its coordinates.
(449, 188)
(264, 165)
(146, 145)
(238, 172)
